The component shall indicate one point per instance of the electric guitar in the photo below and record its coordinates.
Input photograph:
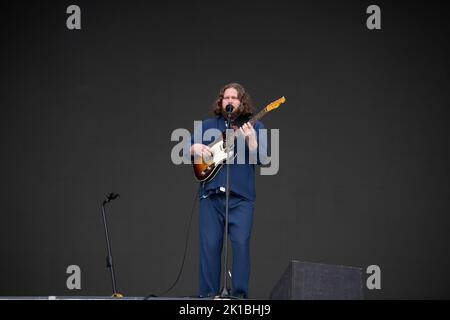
(204, 170)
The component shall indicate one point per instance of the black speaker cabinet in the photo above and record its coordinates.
(317, 281)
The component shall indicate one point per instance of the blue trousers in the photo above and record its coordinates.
(211, 227)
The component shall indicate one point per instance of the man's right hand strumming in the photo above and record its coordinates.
(201, 150)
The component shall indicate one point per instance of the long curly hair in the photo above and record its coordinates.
(246, 107)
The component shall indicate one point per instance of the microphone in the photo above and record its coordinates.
(111, 196)
(229, 108)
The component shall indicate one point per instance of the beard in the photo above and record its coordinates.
(236, 113)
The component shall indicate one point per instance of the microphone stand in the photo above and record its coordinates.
(225, 292)
(109, 259)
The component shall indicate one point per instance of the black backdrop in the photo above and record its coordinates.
(363, 173)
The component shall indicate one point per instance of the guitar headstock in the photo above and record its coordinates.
(275, 104)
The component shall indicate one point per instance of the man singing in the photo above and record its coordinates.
(241, 200)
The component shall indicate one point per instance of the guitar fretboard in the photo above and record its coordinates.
(258, 116)
(255, 118)
(261, 114)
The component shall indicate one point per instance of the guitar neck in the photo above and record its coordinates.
(258, 116)
(253, 120)
(263, 112)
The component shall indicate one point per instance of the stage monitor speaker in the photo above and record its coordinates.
(317, 281)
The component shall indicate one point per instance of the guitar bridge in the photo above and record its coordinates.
(208, 168)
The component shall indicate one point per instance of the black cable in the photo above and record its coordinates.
(185, 251)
